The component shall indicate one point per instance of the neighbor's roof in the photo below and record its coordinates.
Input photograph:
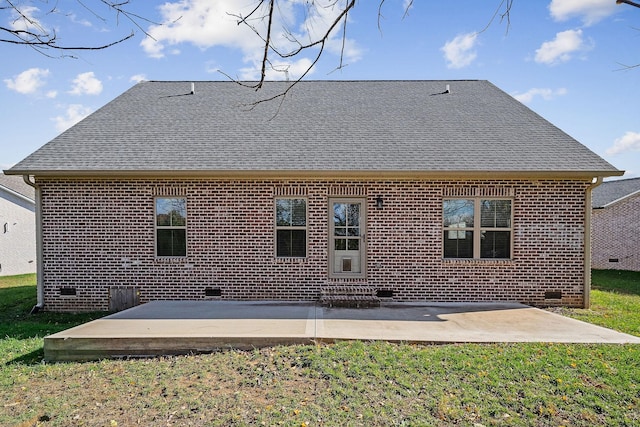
(339, 128)
(613, 191)
(17, 185)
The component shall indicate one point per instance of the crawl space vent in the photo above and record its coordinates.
(213, 292)
(68, 292)
(553, 295)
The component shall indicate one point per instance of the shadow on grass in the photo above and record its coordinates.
(16, 322)
(34, 357)
(620, 281)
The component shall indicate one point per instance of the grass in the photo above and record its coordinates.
(349, 383)
(21, 331)
(615, 301)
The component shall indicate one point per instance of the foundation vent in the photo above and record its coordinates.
(557, 295)
(68, 292)
(384, 293)
(213, 292)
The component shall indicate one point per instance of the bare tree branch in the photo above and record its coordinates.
(318, 43)
(380, 16)
(39, 41)
(265, 57)
(134, 18)
(406, 9)
(629, 2)
(506, 14)
(27, 30)
(627, 67)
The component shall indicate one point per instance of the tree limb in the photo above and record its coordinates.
(270, 48)
(28, 31)
(267, 16)
(629, 2)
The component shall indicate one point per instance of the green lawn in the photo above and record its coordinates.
(349, 383)
(615, 301)
(22, 332)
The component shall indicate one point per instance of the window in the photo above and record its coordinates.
(171, 226)
(477, 228)
(291, 228)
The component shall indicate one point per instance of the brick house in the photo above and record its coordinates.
(17, 226)
(615, 226)
(413, 190)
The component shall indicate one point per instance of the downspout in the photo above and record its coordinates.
(587, 242)
(39, 259)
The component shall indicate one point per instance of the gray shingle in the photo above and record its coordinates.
(325, 126)
(17, 185)
(610, 191)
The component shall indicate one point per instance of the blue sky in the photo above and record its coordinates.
(565, 59)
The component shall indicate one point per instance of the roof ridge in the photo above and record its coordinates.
(318, 81)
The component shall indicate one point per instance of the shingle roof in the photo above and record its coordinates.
(611, 191)
(321, 126)
(17, 185)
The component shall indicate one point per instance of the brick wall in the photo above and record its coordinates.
(100, 233)
(615, 235)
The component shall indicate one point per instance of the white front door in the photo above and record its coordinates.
(347, 254)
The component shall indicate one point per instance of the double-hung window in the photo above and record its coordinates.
(477, 228)
(291, 227)
(171, 226)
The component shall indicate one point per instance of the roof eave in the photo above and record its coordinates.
(621, 199)
(327, 174)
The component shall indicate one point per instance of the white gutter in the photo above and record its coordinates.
(39, 259)
(587, 242)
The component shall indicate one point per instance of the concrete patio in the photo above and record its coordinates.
(182, 327)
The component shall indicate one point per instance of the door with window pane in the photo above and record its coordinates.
(347, 237)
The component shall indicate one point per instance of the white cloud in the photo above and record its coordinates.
(202, 23)
(206, 24)
(26, 20)
(545, 93)
(73, 114)
(590, 11)
(81, 21)
(137, 78)
(29, 81)
(630, 141)
(86, 84)
(562, 48)
(459, 52)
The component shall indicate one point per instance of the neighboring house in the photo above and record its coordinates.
(190, 191)
(615, 227)
(17, 226)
